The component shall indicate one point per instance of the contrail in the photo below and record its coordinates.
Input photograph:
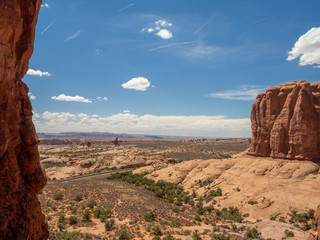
(171, 45)
(48, 26)
(129, 5)
(203, 25)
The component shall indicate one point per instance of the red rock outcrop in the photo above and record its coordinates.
(316, 235)
(21, 176)
(285, 122)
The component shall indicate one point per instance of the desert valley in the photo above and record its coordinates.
(102, 185)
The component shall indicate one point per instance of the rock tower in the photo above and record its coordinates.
(285, 122)
(21, 177)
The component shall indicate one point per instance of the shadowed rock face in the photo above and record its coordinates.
(21, 177)
(316, 235)
(285, 122)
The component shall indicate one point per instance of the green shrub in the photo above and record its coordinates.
(220, 237)
(73, 220)
(196, 235)
(91, 204)
(58, 196)
(123, 235)
(149, 217)
(288, 233)
(252, 233)
(231, 213)
(78, 197)
(62, 219)
(109, 224)
(86, 216)
(156, 231)
(168, 237)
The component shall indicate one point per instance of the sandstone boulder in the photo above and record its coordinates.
(285, 122)
(21, 176)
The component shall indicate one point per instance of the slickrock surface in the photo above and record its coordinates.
(21, 177)
(285, 122)
(279, 186)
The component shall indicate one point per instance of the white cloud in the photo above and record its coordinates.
(102, 98)
(63, 97)
(307, 49)
(160, 29)
(73, 36)
(126, 111)
(46, 5)
(139, 84)
(99, 51)
(163, 23)
(38, 73)
(246, 93)
(164, 34)
(206, 126)
(32, 97)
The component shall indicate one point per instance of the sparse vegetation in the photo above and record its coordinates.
(169, 191)
(252, 233)
(58, 196)
(231, 213)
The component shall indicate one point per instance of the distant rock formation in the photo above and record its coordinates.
(285, 122)
(21, 176)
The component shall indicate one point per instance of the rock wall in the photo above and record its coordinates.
(285, 122)
(21, 177)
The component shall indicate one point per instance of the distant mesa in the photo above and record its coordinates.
(285, 122)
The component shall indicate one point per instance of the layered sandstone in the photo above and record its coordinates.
(21, 177)
(285, 122)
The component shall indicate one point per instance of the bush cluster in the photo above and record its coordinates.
(172, 193)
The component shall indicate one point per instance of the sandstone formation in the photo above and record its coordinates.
(279, 186)
(285, 122)
(21, 177)
(316, 235)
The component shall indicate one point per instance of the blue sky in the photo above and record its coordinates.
(170, 67)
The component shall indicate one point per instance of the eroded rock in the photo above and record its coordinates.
(285, 122)
(21, 176)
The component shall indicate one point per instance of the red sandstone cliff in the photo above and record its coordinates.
(285, 122)
(21, 177)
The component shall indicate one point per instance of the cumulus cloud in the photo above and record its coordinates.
(307, 49)
(163, 23)
(73, 36)
(102, 98)
(38, 73)
(46, 5)
(246, 93)
(32, 97)
(77, 98)
(126, 111)
(160, 28)
(206, 126)
(164, 34)
(138, 83)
